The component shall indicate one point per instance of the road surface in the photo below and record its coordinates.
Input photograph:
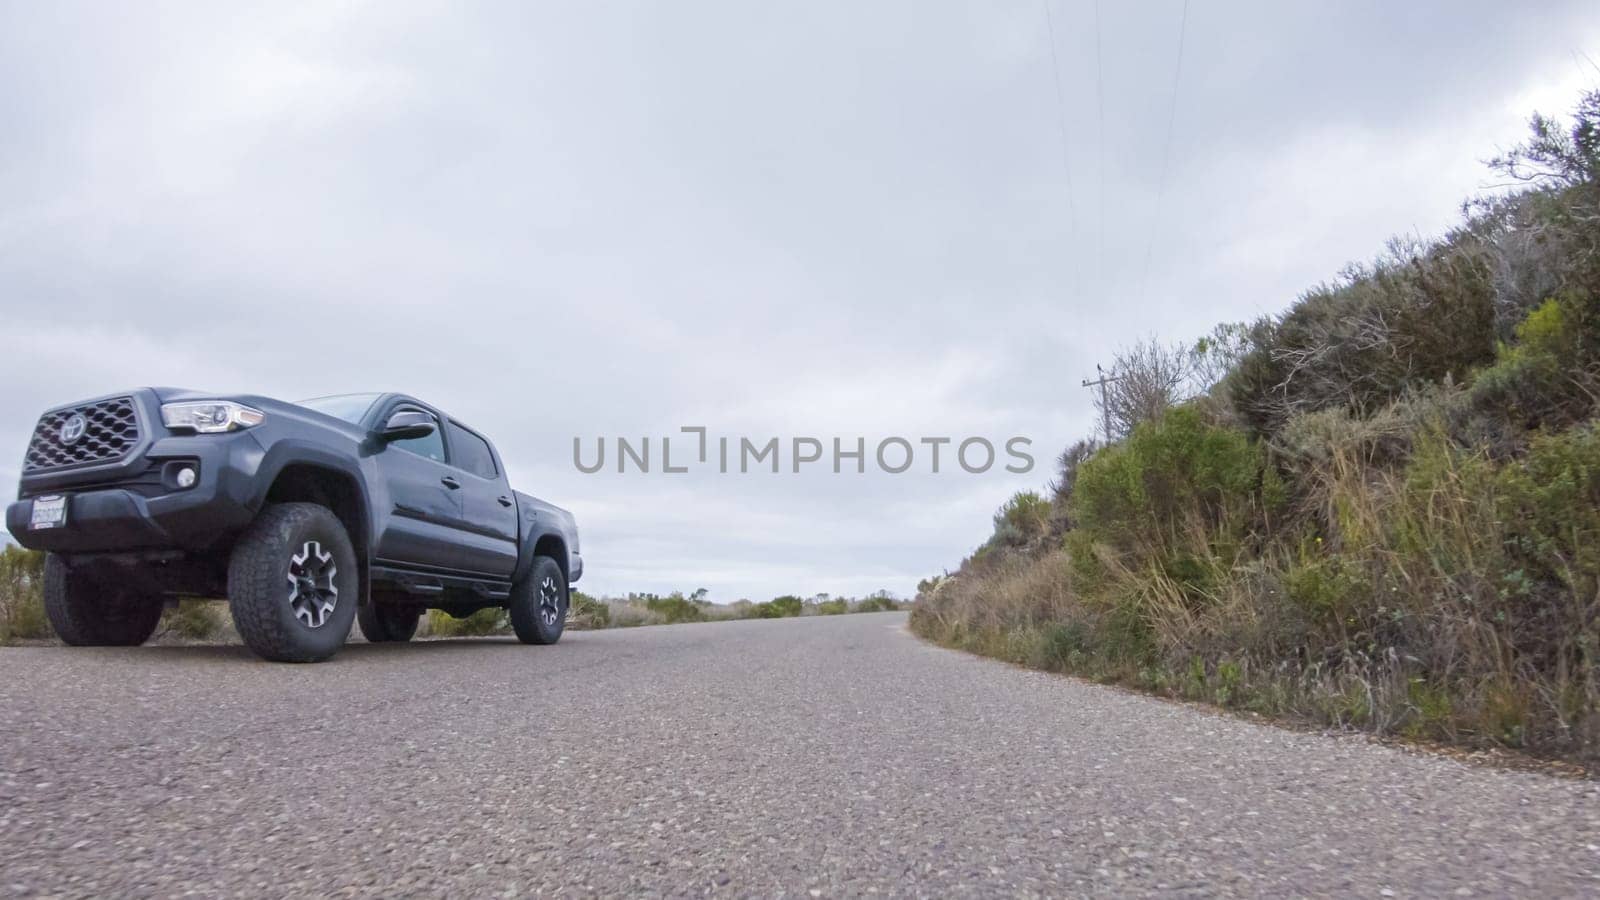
(806, 757)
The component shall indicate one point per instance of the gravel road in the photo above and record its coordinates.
(801, 757)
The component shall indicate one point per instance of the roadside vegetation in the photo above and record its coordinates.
(22, 614)
(21, 595)
(654, 609)
(1379, 510)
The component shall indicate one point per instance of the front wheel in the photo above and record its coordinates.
(539, 603)
(90, 609)
(293, 584)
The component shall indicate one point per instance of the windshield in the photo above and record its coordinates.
(349, 407)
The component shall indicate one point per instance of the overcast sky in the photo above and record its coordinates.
(799, 219)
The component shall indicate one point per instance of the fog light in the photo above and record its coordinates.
(186, 477)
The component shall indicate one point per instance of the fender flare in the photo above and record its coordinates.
(289, 452)
(531, 540)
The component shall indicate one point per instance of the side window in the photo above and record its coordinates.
(431, 446)
(472, 452)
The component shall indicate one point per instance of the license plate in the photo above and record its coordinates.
(48, 512)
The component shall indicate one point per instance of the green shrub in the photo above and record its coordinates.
(1549, 375)
(1550, 506)
(779, 607)
(22, 594)
(1021, 520)
(836, 607)
(492, 620)
(674, 608)
(877, 603)
(1327, 589)
(1139, 493)
(1062, 645)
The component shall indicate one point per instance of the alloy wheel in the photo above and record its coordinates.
(312, 592)
(549, 601)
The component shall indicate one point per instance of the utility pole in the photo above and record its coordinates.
(1105, 410)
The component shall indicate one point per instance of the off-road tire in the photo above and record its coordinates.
(87, 608)
(385, 623)
(259, 591)
(528, 612)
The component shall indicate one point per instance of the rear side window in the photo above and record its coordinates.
(471, 453)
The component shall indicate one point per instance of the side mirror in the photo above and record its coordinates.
(406, 425)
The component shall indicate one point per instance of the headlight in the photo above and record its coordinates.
(210, 416)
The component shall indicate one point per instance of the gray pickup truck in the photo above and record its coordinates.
(306, 516)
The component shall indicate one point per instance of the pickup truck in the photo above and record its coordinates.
(306, 516)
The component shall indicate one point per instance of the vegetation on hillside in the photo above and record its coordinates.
(1378, 510)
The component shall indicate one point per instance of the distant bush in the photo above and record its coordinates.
(585, 611)
(835, 607)
(778, 608)
(674, 608)
(625, 614)
(876, 603)
(196, 619)
(492, 620)
(22, 594)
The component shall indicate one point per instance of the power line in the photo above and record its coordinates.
(1061, 116)
(1166, 151)
(1100, 101)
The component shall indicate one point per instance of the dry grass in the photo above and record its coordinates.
(1452, 598)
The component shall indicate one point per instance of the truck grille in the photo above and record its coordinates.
(110, 429)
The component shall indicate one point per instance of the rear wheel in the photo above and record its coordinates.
(383, 623)
(539, 603)
(293, 584)
(89, 608)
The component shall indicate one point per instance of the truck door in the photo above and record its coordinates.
(426, 515)
(490, 518)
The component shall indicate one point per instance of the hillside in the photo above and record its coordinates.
(1378, 510)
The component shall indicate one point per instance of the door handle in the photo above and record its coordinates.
(505, 501)
(450, 482)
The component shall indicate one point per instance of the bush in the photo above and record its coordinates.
(585, 612)
(836, 607)
(631, 615)
(1417, 315)
(1021, 520)
(1550, 506)
(778, 607)
(195, 619)
(877, 603)
(492, 620)
(1141, 492)
(674, 608)
(22, 595)
(1549, 375)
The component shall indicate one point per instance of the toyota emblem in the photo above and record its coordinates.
(73, 428)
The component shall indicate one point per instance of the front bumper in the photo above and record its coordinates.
(108, 518)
